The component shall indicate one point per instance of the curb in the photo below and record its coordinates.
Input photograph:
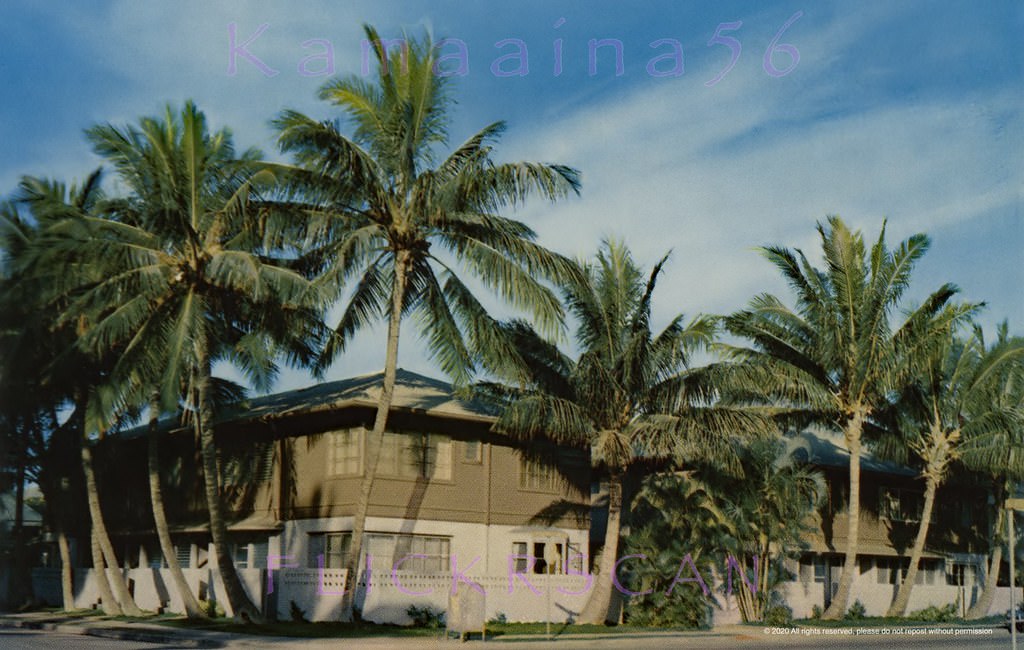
(111, 632)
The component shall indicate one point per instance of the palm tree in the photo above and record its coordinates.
(949, 404)
(379, 209)
(185, 280)
(66, 368)
(769, 511)
(627, 398)
(835, 359)
(997, 456)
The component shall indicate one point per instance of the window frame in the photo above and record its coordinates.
(353, 450)
(538, 477)
(406, 455)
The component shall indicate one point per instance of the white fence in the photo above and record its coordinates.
(387, 596)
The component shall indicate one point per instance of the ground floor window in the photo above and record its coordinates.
(961, 573)
(546, 556)
(416, 553)
(892, 571)
(333, 548)
(820, 568)
(183, 552)
(250, 553)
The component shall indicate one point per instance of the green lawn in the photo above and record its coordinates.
(884, 621)
(363, 629)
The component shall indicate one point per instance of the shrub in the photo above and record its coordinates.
(499, 619)
(425, 617)
(934, 614)
(212, 608)
(778, 615)
(857, 611)
(816, 612)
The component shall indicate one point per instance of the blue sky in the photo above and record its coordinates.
(912, 111)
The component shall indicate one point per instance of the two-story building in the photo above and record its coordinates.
(448, 494)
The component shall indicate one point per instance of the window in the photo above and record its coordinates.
(239, 467)
(154, 558)
(892, 571)
(899, 504)
(345, 455)
(519, 552)
(471, 451)
(183, 552)
(547, 556)
(815, 568)
(264, 471)
(334, 547)
(432, 552)
(416, 455)
(240, 555)
(959, 573)
(534, 476)
(259, 555)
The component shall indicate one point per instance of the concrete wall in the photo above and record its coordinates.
(487, 548)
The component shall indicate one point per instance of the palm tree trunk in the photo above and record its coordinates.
(244, 610)
(837, 608)
(980, 608)
(597, 611)
(899, 606)
(117, 581)
(107, 600)
(55, 499)
(19, 589)
(163, 533)
(376, 437)
(67, 588)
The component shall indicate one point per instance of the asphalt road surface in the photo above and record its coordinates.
(11, 639)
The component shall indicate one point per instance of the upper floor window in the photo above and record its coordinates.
(416, 455)
(253, 465)
(901, 504)
(472, 451)
(535, 476)
(345, 455)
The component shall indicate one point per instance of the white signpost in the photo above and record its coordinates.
(1011, 506)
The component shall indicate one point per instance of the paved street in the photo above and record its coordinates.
(70, 637)
(40, 640)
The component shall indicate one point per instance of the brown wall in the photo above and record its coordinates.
(957, 525)
(468, 496)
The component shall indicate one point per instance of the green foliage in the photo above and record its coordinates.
(779, 615)
(425, 617)
(212, 608)
(935, 614)
(857, 611)
(680, 518)
(386, 202)
(498, 619)
(838, 357)
(816, 612)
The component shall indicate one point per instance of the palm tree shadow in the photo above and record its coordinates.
(560, 509)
